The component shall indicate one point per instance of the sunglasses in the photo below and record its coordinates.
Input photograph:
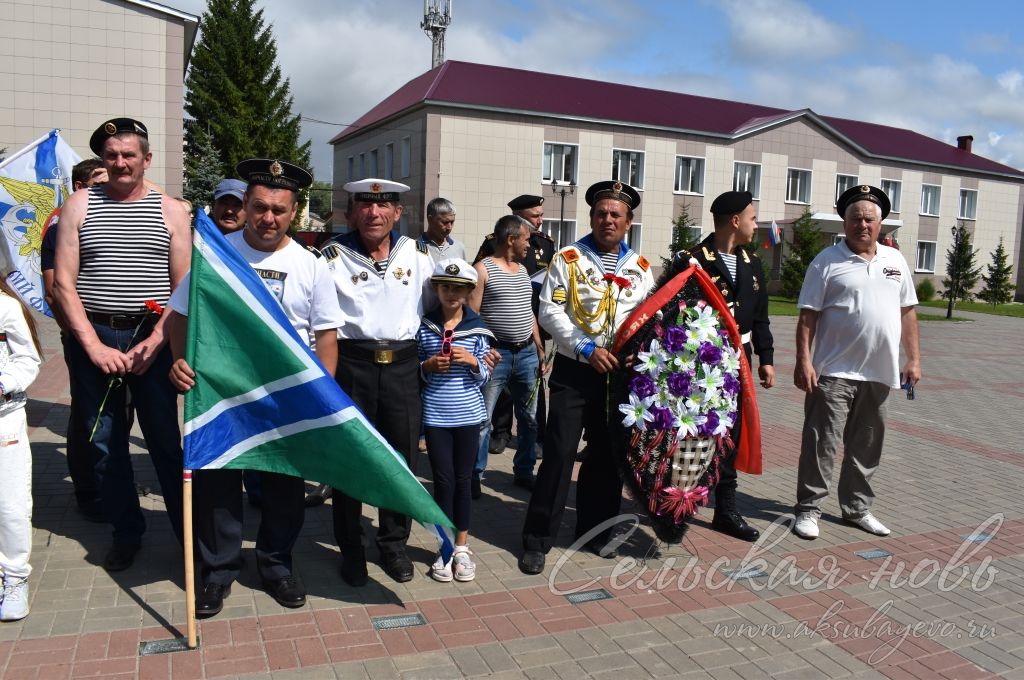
(446, 343)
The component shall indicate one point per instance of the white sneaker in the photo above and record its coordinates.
(869, 523)
(14, 605)
(441, 570)
(465, 569)
(806, 525)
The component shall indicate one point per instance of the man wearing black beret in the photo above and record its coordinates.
(740, 278)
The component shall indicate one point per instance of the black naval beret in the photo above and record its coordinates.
(115, 126)
(612, 189)
(525, 202)
(863, 192)
(274, 173)
(731, 202)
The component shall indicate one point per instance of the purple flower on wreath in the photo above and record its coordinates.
(679, 384)
(675, 338)
(730, 384)
(663, 418)
(709, 354)
(724, 334)
(710, 424)
(642, 386)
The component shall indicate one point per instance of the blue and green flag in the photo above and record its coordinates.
(262, 400)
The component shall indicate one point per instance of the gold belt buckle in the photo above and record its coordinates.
(383, 356)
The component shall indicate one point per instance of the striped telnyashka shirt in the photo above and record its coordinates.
(123, 254)
(506, 306)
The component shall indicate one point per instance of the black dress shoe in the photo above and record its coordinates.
(475, 491)
(353, 569)
(524, 482)
(398, 566)
(286, 591)
(210, 599)
(318, 496)
(532, 562)
(120, 557)
(498, 444)
(732, 524)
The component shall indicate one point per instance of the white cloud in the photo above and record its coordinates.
(1010, 80)
(781, 29)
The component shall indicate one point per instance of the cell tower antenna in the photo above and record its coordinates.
(435, 23)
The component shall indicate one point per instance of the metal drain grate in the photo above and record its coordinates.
(875, 554)
(151, 647)
(398, 621)
(978, 538)
(747, 573)
(588, 596)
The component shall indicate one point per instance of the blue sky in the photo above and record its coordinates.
(941, 68)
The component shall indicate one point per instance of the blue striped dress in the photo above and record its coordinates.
(454, 399)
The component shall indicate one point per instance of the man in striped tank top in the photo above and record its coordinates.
(120, 246)
(502, 297)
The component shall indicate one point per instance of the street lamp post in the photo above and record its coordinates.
(955, 274)
(561, 211)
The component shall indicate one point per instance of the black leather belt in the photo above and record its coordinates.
(380, 353)
(514, 346)
(118, 322)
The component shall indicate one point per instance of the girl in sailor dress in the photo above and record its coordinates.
(19, 366)
(452, 342)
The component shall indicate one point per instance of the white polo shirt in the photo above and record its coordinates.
(859, 304)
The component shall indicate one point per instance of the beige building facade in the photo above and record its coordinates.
(455, 140)
(71, 64)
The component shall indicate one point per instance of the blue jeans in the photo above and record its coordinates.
(517, 370)
(156, 406)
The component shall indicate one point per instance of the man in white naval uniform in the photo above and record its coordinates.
(382, 279)
(590, 289)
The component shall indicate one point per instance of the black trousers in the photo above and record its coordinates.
(578, 399)
(217, 504)
(82, 458)
(389, 397)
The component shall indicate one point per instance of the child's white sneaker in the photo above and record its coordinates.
(441, 570)
(463, 565)
(14, 605)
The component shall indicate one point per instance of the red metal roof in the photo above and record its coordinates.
(495, 87)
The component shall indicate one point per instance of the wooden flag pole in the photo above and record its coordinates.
(190, 581)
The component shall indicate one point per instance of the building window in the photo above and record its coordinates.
(351, 168)
(635, 236)
(798, 186)
(844, 183)
(406, 156)
(968, 204)
(689, 175)
(559, 163)
(930, 194)
(562, 233)
(371, 171)
(362, 165)
(389, 160)
(747, 177)
(628, 167)
(893, 188)
(925, 256)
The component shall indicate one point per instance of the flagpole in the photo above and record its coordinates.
(190, 581)
(18, 154)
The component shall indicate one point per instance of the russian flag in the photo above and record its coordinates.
(773, 236)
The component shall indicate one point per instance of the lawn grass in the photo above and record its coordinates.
(1012, 309)
(780, 306)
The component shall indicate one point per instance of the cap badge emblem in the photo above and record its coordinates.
(375, 188)
(452, 269)
(110, 129)
(865, 189)
(275, 169)
(617, 186)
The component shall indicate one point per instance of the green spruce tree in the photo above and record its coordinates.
(203, 170)
(961, 270)
(998, 288)
(684, 236)
(807, 242)
(236, 93)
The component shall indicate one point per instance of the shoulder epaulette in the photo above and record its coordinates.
(422, 247)
(570, 255)
(643, 263)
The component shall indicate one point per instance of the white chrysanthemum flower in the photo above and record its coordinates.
(687, 425)
(710, 379)
(653, 361)
(637, 411)
(730, 360)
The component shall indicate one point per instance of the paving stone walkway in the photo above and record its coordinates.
(947, 601)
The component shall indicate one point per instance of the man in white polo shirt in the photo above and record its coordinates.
(857, 305)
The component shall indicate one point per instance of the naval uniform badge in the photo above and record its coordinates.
(363, 276)
(355, 278)
(757, 286)
(276, 169)
(399, 272)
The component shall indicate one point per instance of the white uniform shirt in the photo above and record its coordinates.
(297, 278)
(376, 307)
(584, 262)
(859, 303)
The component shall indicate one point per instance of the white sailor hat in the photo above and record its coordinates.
(373, 190)
(456, 271)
